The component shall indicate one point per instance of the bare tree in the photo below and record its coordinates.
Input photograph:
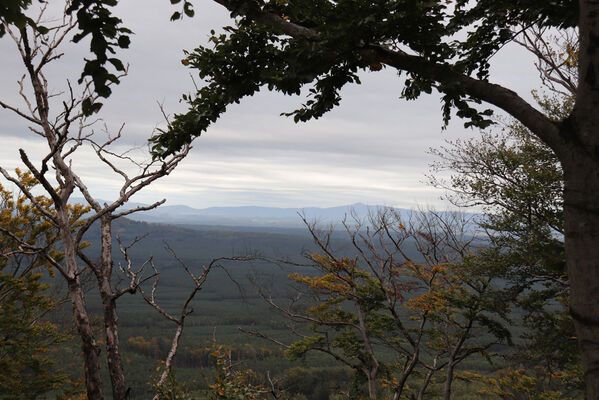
(404, 288)
(57, 119)
(557, 57)
(136, 279)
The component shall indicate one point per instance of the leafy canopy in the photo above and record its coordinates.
(323, 45)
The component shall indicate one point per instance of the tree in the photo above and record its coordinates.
(65, 131)
(440, 45)
(518, 183)
(408, 300)
(26, 336)
(515, 384)
(231, 383)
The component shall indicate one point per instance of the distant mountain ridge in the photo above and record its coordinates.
(242, 217)
(248, 215)
(251, 215)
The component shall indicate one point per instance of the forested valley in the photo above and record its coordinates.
(257, 326)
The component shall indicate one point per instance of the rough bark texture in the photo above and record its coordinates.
(580, 161)
(111, 319)
(581, 207)
(89, 347)
(115, 366)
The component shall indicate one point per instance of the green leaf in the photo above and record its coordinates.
(124, 42)
(117, 64)
(42, 29)
(188, 9)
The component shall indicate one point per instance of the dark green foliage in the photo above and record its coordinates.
(12, 12)
(27, 373)
(95, 18)
(333, 42)
(186, 9)
(497, 20)
(243, 60)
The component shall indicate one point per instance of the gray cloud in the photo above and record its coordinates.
(371, 149)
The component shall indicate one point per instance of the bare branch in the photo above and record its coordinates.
(556, 54)
(20, 113)
(138, 208)
(263, 336)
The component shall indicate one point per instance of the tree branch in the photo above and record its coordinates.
(494, 94)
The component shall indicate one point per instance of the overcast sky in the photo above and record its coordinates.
(371, 149)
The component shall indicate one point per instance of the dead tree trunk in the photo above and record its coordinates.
(89, 347)
(111, 319)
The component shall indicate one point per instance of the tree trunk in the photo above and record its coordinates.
(427, 380)
(580, 161)
(111, 319)
(372, 371)
(91, 350)
(372, 385)
(398, 390)
(448, 381)
(581, 206)
(115, 364)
